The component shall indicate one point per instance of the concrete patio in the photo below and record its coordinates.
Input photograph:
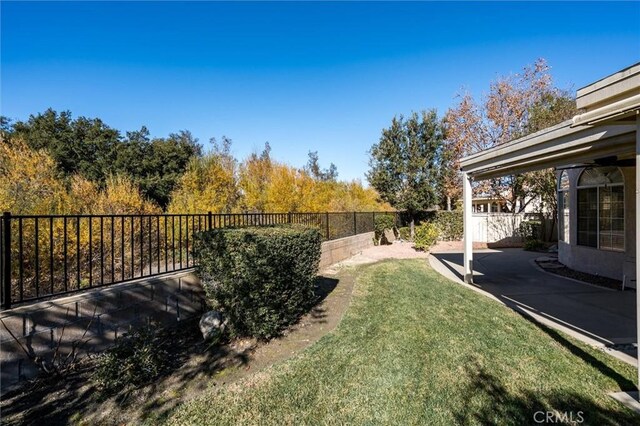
(596, 315)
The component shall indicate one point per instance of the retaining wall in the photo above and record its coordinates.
(96, 317)
(338, 250)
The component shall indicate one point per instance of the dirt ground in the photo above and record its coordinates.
(198, 366)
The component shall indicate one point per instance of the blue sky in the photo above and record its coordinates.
(324, 77)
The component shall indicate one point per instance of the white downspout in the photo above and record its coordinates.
(468, 229)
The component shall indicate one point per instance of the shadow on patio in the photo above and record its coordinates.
(510, 275)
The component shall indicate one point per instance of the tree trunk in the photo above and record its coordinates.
(448, 203)
(413, 232)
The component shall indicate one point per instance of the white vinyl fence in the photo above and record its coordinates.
(503, 227)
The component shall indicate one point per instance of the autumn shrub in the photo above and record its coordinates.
(262, 279)
(31, 185)
(426, 235)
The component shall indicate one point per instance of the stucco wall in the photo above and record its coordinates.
(617, 265)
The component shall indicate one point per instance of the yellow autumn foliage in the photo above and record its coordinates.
(120, 196)
(269, 186)
(255, 174)
(29, 182)
(209, 184)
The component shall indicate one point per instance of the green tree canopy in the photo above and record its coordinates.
(315, 171)
(403, 164)
(85, 145)
(92, 149)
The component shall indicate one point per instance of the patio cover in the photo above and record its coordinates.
(608, 126)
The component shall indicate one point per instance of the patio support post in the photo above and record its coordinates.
(468, 228)
(638, 242)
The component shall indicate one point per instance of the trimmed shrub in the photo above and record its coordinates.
(534, 245)
(405, 233)
(383, 222)
(530, 230)
(262, 279)
(450, 224)
(425, 236)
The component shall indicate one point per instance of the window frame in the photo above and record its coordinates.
(564, 217)
(598, 187)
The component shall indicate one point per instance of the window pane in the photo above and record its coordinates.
(587, 217)
(563, 220)
(563, 183)
(611, 224)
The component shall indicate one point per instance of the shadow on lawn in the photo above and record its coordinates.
(194, 366)
(490, 402)
(624, 383)
(324, 287)
(57, 401)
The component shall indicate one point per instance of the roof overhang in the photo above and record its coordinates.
(605, 127)
(614, 98)
(556, 146)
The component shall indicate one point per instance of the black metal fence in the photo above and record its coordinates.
(44, 256)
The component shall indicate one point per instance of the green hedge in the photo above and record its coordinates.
(450, 224)
(262, 279)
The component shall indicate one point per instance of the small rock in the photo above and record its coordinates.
(212, 325)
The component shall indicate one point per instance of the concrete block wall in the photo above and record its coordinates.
(96, 317)
(338, 250)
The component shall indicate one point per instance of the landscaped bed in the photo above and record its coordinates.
(415, 348)
(412, 348)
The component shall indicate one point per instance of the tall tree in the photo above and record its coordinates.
(403, 163)
(255, 176)
(516, 105)
(464, 133)
(553, 108)
(315, 171)
(95, 151)
(209, 184)
(85, 145)
(156, 164)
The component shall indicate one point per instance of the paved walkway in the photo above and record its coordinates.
(594, 314)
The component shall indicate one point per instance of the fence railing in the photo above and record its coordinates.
(44, 256)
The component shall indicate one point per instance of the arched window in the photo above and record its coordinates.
(601, 208)
(563, 207)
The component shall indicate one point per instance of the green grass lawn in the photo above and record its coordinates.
(415, 348)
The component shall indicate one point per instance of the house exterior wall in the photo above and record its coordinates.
(612, 264)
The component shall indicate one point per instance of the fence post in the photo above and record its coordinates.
(355, 228)
(6, 253)
(289, 217)
(327, 217)
(210, 219)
